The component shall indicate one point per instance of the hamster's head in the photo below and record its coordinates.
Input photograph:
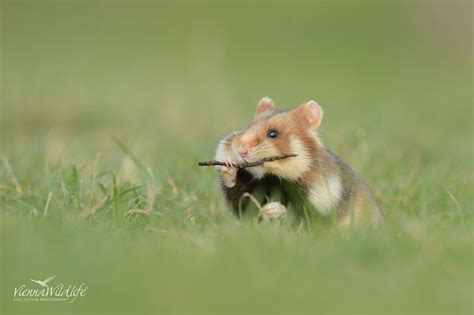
(276, 132)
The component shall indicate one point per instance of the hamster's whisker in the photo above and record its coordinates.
(261, 150)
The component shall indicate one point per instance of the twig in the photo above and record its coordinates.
(259, 162)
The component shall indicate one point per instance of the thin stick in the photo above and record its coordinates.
(257, 163)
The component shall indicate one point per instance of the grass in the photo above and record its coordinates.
(107, 107)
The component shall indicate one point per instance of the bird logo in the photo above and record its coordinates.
(44, 283)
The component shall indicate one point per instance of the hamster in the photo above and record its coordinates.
(315, 179)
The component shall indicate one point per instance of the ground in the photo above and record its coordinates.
(108, 107)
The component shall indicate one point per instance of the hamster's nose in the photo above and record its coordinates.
(244, 151)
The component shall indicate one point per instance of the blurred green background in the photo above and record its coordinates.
(169, 79)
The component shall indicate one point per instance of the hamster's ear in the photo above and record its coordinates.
(264, 104)
(310, 114)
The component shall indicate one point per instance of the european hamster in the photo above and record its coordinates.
(315, 177)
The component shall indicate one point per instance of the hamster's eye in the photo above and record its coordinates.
(272, 133)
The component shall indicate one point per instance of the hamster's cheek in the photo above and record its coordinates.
(264, 150)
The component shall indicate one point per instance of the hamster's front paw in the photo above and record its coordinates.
(273, 210)
(229, 173)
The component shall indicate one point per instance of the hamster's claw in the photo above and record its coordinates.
(229, 173)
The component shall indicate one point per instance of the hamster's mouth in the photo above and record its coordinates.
(250, 158)
(257, 171)
(241, 160)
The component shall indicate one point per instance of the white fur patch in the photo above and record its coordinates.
(325, 193)
(220, 151)
(294, 167)
(257, 171)
(224, 151)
